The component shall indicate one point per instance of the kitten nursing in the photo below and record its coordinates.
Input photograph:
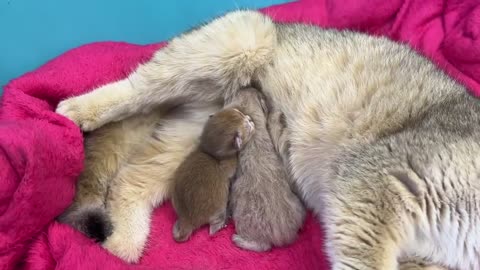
(381, 144)
(129, 167)
(265, 210)
(202, 181)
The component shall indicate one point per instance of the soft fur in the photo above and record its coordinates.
(42, 152)
(128, 171)
(201, 184)
(382, 143)
(265, 210)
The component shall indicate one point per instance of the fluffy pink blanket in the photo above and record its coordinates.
(41, 152)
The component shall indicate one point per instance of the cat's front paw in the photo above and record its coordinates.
(123, 248)
(80, 111)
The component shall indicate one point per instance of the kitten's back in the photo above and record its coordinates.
(199, 187)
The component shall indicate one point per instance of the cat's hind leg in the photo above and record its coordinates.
(205, 64)
(129, 208)
(139, 186)
(145, 180)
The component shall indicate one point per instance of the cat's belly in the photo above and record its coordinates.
(310, 159)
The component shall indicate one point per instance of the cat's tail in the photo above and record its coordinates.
(93, 222)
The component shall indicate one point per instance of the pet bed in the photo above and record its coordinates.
(41, 153)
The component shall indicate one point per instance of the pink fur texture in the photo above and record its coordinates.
(41, 152)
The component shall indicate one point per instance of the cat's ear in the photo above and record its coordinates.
(238, 141)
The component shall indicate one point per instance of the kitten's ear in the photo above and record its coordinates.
(238, 141)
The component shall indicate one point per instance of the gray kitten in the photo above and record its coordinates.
(383, 146)
(265, 210)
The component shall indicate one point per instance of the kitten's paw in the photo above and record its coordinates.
(250, 245)
(218, 222)
(124, 248)
(215, 227)
(181, 232)
(80, 111)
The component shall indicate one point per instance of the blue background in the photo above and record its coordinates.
(34, 31)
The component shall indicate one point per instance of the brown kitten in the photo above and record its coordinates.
(202, 181)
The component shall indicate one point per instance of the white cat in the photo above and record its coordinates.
(383, 145)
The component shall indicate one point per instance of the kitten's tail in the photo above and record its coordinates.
(93, 222)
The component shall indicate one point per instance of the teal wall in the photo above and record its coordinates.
(34, 31)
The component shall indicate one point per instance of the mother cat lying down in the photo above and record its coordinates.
(383, 145)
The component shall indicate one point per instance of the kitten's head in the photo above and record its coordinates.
(226, 132)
